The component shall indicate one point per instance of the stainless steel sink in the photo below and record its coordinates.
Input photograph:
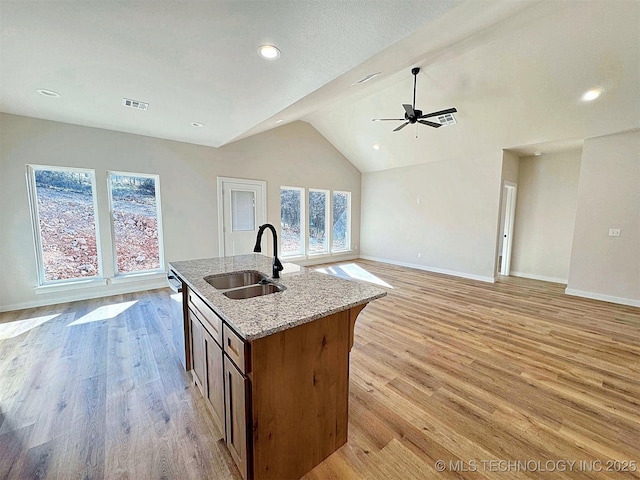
(253, 291)
(235, 280)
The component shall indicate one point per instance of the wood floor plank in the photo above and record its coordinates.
(442, 368)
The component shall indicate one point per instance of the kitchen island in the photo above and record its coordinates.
(275, 367)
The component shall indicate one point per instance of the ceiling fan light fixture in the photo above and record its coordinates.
(270, 52)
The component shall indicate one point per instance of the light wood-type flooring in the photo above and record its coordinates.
(512, 380)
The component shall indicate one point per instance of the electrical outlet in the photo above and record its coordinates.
(614, 232)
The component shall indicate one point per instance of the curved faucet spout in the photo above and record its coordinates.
(277, 266)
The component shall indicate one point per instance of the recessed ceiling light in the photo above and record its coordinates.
(48, 93)
(269, 52)
(591, 94)
(197, 124)
(376, 146)
(280, 121)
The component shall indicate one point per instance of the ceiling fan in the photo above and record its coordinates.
(412, 115)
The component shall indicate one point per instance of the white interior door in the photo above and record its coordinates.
(241, 210)
(509, 213)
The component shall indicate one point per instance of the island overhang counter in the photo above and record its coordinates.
(274, 368)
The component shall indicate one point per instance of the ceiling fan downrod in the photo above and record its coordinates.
(415, 71)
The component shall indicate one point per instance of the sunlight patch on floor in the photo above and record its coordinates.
(18, 327)
(105, 312)
(353, 271)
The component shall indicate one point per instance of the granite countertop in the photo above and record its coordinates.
(309, 295)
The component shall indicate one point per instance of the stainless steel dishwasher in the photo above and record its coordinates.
(177, 316)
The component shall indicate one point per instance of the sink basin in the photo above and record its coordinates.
(253, 291)
(235, 280)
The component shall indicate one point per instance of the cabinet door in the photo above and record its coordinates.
(215, 379)
(198, 352)
(236, 396)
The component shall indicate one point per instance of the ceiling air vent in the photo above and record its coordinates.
(127, 102)
(447, 119)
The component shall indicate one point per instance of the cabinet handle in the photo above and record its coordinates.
(232, 347)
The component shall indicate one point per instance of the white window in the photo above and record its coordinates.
(136, 222)
(318, 221)
(292, 221)
(63, 212)
(341, 221)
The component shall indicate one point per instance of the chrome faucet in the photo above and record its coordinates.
(277, 266)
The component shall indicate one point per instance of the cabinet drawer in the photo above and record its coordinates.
(236, 349)
(209, 319)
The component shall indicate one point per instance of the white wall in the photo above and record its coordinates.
(604, 267)
(545, 216)
(294, 154)
(445, 211)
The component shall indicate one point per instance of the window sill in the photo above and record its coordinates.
(99, 282)
(293, 258)
(72, 285)
(136, 277)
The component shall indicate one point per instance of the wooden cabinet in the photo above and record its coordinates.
(237, 390)
(209, 320)
(198, 357)
(236, 349)
(206, 355)
(281, 400)
(214, 391)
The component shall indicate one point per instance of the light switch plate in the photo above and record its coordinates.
(614, 232)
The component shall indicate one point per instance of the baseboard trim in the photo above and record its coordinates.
(605, 298)
(544, 278)
(470, 276)
(87, 294)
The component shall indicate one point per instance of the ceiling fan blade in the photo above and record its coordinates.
(441, 112)
(385, 119)
(401, 126)
(431, 124)
(409, 109)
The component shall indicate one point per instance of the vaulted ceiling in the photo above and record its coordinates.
(514, 70)
(191, 61)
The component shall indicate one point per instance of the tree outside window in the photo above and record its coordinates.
(341, 221)
(291, 221)
(318, 216)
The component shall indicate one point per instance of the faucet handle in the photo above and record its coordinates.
(277, 264)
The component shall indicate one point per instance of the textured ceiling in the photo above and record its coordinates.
(514, 69)
(192, 61)
(517, 85)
